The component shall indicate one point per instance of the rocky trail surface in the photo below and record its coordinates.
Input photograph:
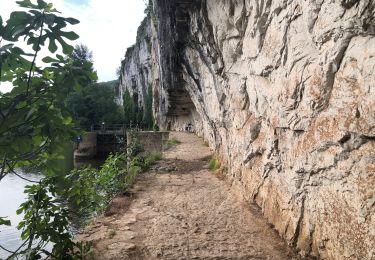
(181, 210)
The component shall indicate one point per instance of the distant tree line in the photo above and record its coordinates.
(95, 104)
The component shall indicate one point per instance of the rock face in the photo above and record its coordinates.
(284, 91)
(135, 73)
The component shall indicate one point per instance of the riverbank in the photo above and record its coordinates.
(180, 210)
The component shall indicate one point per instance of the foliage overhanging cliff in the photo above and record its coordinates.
(284, 91)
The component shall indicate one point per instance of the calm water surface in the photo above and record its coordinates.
(11, 196)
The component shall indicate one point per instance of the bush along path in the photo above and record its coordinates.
(180, 209)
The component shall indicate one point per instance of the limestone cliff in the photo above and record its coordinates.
(284, 91)
(135, 73)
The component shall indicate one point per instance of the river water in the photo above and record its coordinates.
(11, 196)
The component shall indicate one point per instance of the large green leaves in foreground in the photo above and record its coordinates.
(33, 118)
(34, 122)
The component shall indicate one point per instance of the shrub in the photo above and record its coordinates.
(172, 142)
(111, 233)
(151, 158)
(155, 127)
(92, 189)
(214, 164)
(132, 172)
(144, 162)
(135, 147)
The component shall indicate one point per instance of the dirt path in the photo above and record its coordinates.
(180, 210)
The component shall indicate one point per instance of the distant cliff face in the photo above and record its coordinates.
(136, 70)
(284, 91)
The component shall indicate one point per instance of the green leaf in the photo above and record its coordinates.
(19, 211)
(47, 74)
(18, 24)
(32, 41)
(52, 46)
(67, 49)
(6, 47)
(18, 51)
(25, 234)
(60, 57)
(50, 8)
(18, 17)
(26, 4)
(35, 12)
(49, 19)
(77, 87)
(70, 35)
(1, 26)
(41, 4)
(72, 21)
(49, 59)
(4, 221)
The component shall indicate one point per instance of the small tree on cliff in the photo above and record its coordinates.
(147, 117)
(129, 108)
(135, 114)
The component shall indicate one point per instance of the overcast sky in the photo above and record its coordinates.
(106, 27)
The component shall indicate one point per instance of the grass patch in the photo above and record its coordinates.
(142, 163)
(111, 233)
(172, 142)
(214, 164)
(218, 170)
(152, 158)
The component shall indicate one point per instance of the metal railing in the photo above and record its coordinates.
(115, 127)
(104, 127)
